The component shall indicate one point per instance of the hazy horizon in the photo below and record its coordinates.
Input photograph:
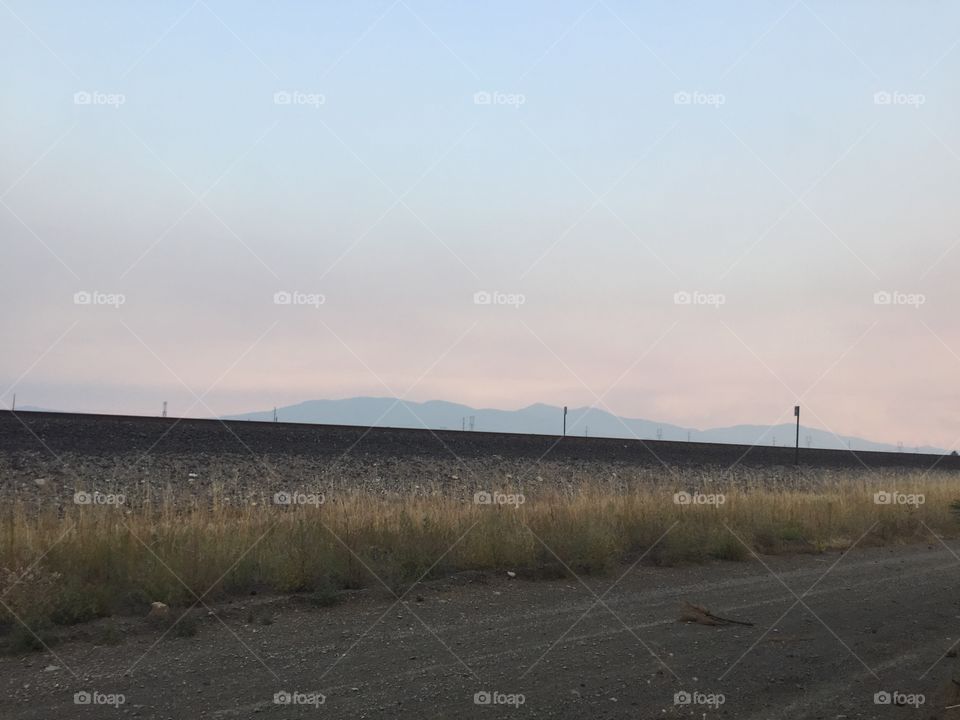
(824, 438)
(696, 214)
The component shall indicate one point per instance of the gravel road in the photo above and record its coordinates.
(830, 632)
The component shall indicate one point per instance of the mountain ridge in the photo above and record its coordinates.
(543, 419)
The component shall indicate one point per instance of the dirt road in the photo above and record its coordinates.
(830, 632)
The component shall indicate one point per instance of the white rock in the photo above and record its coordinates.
(158, 610)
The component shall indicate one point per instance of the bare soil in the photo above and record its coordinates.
(830, 631)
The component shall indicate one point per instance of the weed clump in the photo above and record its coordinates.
(81, 562)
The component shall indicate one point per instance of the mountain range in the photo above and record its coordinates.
(543, 419)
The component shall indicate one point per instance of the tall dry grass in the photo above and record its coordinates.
(77, 562)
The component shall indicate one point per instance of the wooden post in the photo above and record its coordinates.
(796, 450)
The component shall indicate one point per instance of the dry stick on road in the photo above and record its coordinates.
(698, 614)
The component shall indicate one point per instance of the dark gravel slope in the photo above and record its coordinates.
(106, 435)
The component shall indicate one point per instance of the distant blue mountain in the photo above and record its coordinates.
(543, 419)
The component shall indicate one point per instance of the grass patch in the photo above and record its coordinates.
(326, 595)
(109, 634)
(36, 636)
(185, 627)
(69, 565)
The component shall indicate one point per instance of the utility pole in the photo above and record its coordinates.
(473, 419)
(463, 423)
(796, 450)
(274, 414)
(14, 406)
(564, 420)
(659, 433)
(164, 413)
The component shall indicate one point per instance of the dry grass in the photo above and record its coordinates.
(78, 562)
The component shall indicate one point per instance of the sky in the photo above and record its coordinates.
(698, 213)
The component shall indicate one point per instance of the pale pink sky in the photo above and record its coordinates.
(790, 161)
